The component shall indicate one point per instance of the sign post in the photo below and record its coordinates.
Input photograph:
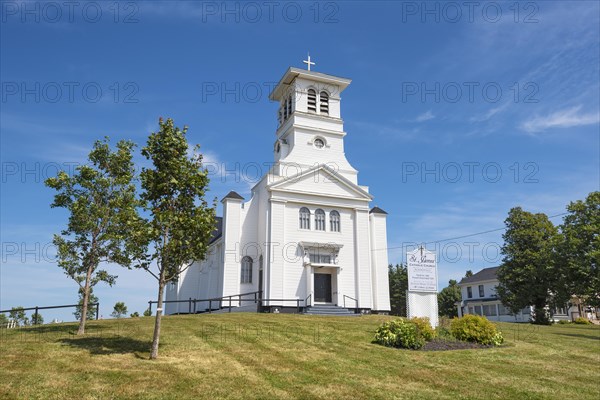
(421, 297)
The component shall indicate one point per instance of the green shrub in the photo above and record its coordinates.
(582, 321)
(477, 329)
(424, 327)
(400, 333)
(563, 322)
(443, 328)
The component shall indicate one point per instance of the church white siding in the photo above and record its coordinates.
(310, 170)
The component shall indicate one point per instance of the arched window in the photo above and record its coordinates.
(320, 220)
(324, 102)
(246, 270)
(312, 100)
(304, 218)
(334, 221)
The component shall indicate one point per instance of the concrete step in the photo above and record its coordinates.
(329, 310)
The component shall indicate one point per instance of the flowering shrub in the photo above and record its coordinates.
(477, 329)
(582, 321)
(400, 333)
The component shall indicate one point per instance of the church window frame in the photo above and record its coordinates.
(304, 218)
(334, 221)
(319, 220)
(246, 270)
(319, 143)
(311, 100)
(324, 102)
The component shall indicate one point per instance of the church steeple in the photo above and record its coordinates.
(310, 128)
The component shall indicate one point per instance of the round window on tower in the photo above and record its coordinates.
(319, 143)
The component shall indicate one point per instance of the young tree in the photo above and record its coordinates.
(579, 250)
(37, 319)
(135, 314)
(18, 314)
(447, 299)
(147, 313)
(181, 222)
(469, 273)
(528, 274)
(119, 310)
(100, 199)
(91, 312)
(398, 278)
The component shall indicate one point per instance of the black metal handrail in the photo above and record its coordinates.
(257, 299)
(306, 300)
(351, 298)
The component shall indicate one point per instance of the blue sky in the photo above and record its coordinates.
(454, 115)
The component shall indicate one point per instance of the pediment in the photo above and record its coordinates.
(321, 181)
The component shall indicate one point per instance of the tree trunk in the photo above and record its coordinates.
(159, 305)
(86, 299)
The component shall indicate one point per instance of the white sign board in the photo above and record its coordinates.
(422, 271)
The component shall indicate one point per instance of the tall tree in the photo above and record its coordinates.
(91, 312)
(468, 273)
(579, 250)
(181, 222)
(398, 278)
(100, 199)
(528, 274)
(447, 299)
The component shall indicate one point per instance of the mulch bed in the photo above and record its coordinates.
(443, 345)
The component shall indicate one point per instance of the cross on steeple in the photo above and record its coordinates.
(308, 62)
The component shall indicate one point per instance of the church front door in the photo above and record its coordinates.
(323, 288)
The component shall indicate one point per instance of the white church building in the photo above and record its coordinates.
(307, 236)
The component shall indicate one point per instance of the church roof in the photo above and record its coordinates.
(233, 195)
(377, 210)
(293, 72)
(218, 232)
(486, 274)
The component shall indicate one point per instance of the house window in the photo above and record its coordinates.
(502, 310)
(312, 100)
(320, 220)
(304, 218)
(478, 310)
(481, 291)
(324, 103)
(319, 143)
(489, 310)
(334, 221)
(469, 292)
(318, 258)
(246, 270)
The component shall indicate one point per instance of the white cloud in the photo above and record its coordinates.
(426, 116)
(565, 118)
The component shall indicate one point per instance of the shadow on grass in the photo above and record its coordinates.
(579, 335)
(111, 345)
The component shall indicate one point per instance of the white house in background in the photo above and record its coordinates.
(479, 297)
(307, 232)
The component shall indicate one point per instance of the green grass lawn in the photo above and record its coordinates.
(289, 356)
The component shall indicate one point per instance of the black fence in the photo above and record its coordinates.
(38, 308)
(230, 301)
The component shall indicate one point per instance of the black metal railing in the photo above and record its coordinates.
(230, 301)
(38, 308)
(351, 298)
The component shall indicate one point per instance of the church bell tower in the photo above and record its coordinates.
(310, 128)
